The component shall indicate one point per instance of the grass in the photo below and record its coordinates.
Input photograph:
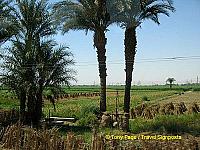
(114, 88)
(186, 123)
(74, 107)
(8, 100)
(70, 108)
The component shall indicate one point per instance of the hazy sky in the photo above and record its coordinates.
(177, 35)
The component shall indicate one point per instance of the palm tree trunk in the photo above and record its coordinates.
(31, 108)
(38, 112)
(39, 102)
(170, 86)
(130, 43)
(100, 43)
(22, 97)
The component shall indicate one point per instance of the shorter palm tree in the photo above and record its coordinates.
(170, 81)
(33, 61)
(28, 81)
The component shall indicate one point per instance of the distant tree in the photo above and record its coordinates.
(170, 81)
(88, 15)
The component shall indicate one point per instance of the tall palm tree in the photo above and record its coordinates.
(131, 14)
(88, 15)
(170, 80)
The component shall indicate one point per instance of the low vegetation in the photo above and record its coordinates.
(168, 124)
(85, 110)
(18, 137)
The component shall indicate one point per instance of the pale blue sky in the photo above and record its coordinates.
(177, 35)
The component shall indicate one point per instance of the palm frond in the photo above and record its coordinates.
(8, 23)
(82, 15)
(129, 13)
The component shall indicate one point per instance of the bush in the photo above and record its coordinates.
(196, 89)
(89, 120)
(89, 110)
(145, 98)
(88, 116)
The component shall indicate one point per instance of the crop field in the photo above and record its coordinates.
(71, 107)
(9, 100)
(74, 107)
(84, 108)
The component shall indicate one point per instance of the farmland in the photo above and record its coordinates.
(42, 57)
(73, 106)
(84, 109)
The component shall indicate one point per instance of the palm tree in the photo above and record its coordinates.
(51, 69)
(13, 75)
(35, 24)
(170, 80)
(131, 14)
(36, 63)
(8, 23)
(88, 15)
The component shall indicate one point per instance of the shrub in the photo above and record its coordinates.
(145, 98)
(89, 120)
(90, 109)
(196, 89)
(88, 116)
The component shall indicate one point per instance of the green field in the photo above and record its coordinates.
(84, 109)
(73, 106)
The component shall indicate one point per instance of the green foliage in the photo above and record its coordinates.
(196, 89)
(145, 98)
(71, 108)
(169, 124)
(8, 100)
(89, 115)
(34, 61)
(82, 15)
(89, 119)
(8, 22)
(129, 14)
(90, 109)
